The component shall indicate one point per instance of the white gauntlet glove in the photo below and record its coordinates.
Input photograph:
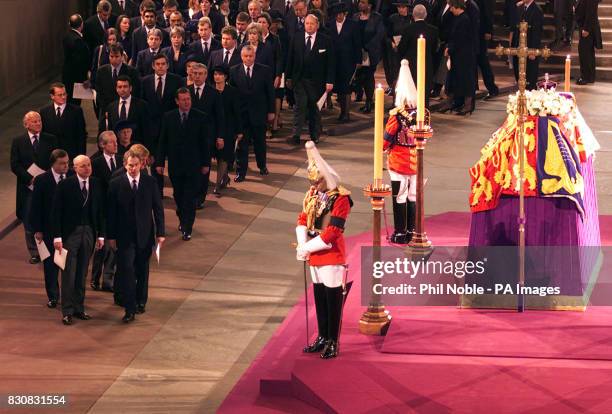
(301, 234)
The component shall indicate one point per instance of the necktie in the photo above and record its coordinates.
(134, 185)
(105, 25)
(184, 117)
(308, 43)
(112, 164)
(122, 5)
(300, 23)
(226, 60)
(248, 72)
(61, 177)
(158, 90)
(206, 48)
(287, 6)
(84, 192)
(240, 38)
(123, 112)
(59, 112)
(114, 76)
(35, 143)
(197, 93)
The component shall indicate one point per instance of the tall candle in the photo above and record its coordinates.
(568, 67)
(379, 115)
(420, 80)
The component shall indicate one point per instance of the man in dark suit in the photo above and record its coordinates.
(590, 38)
(140, 36)
(311, 71)
(205, 98)
(127, 7)
(183, 140)
(135, 216)
(96, 26)
(532, 14)
(200, 50)
(66, 121)
(228, 55)
(128, 108)
(159, 91)
(29, 151)
(242, 22)
(107, 75)
(77, 58)
(296, 18)
(40, 217)
(407, 47)
(78, 220)
(163, 20)
(103, 168)
(254, 82)
(144, 59)
(345, 35)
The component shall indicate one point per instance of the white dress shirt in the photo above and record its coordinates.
(108, 160)
(128, 101)
(131, 180)
(61, 108)
(312, 38)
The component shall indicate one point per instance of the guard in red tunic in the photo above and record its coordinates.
(320, 239)
(402, 157)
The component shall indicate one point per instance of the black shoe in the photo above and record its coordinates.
(264, 171)
(186, 236)
(34, 259)
(398, 238)
(315, 139)
(331, 350)
(239, 178)
(106, 289)
(490, 96)
(128, 317)
(84, 316)
(200, 205)
(95, 286)
(367, 108)
(578, 82)
(67, 320)
(52, 304)
(316, 346)
(140, 309)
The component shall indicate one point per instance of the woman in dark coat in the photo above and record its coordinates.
(124, 34)
(396, 25)
(348, 53)
(277, 30)
(177, 52)
(231, 106)
(372, 31)
(460, 48)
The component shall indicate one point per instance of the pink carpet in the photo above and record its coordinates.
(441, 377)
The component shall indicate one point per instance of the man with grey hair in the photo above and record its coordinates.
(30, 154)
(407, 48)
(310, 72)
(96, 26)
(103, 168)
(77, 221)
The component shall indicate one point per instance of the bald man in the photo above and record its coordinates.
(77, 219)
(28, 150)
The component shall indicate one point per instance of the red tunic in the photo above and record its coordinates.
(401, 159)
(333, 234)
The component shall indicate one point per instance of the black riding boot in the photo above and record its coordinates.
(320, 299)
(399, 216)
(410, 220)
(335, 300)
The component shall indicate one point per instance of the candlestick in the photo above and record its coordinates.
(568, 67)
(420, 80)
(379, 115)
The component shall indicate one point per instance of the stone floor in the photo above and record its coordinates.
(216, 300)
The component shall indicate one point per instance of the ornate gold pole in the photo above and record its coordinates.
(522, 52)
(375, 320)
(419, 244)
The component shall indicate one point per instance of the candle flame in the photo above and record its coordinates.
(421, 36)
(379, 85)
(568, 56)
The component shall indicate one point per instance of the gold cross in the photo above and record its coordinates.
(522, 52)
